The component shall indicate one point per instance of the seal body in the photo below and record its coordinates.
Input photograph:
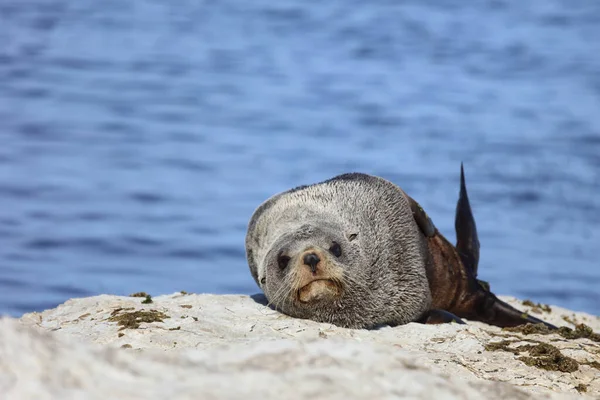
(357, 251)
(372, 259)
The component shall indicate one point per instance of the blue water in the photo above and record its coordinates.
(137, 137)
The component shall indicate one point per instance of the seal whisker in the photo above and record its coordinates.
(295, 286)
(285, 293)
(275, 299)
(284, 299)
(272, 299)
(281, 301)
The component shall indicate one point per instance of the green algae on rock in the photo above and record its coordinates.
(581, 388)
(548, 357)
(529, 329)
(537, 307)
(132, 320)
(503, 345)
(581, 331)
(541, 355)
(568, 319)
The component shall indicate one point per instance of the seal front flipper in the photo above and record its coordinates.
(467, 241)
(436, 316)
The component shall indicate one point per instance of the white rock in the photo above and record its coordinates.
(235, 347)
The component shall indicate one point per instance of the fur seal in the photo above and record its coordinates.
(358, 252)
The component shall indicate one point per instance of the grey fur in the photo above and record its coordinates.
(383, 254)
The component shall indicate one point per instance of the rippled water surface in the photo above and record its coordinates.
(137, 138)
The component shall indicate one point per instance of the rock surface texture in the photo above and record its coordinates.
(184, 346)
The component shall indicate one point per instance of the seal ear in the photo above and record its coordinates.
(421, 218)
(467, 241)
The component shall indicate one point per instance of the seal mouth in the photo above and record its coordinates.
(319, 289)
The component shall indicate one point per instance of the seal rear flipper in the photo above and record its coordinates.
(490, 309)
(437, 316)
(467, 241)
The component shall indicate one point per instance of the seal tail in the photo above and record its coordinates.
(467, 241)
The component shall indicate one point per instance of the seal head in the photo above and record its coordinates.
(310, 261)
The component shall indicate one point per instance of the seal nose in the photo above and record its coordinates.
(311, 259)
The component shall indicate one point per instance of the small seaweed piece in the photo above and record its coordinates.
(147, 300)
(581, 388)
(537, 307)
(541, 355)
(581, 331)
(548, 357)
(529, 329)
(139, 294)
(503, 345)
(545, 307)
(118, 310)
(132, 320)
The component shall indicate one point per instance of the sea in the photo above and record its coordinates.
(137, 137)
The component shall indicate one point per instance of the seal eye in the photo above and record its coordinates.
(336, 249)
(283, 261)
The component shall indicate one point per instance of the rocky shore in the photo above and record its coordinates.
(182, 346)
